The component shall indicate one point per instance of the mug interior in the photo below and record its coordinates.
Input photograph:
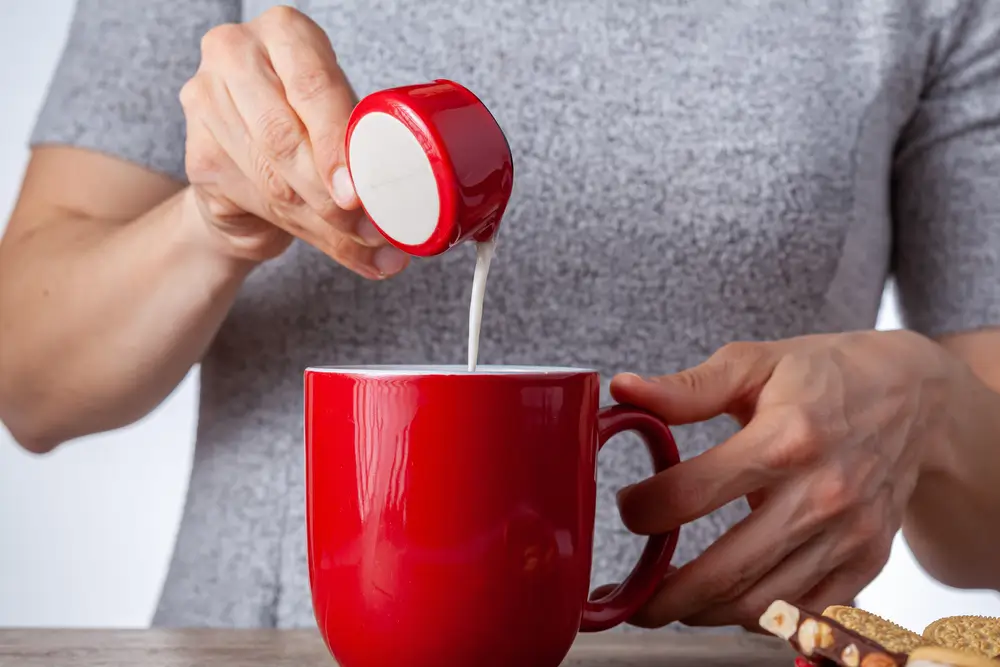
(396, 370)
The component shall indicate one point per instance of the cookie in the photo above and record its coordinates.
(820, 638)
(942, 656)
(894, 637)
(975, 634)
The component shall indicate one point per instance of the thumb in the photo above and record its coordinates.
(728, 382)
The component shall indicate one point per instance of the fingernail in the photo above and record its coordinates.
(636, 378)
(602, 591)
(390, 260)
(368, 234)
(343, 188)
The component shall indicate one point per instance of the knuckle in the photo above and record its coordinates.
(192, 93)
(730, 585)
(341, 249)
(201, 162)
(852, 342)
(692, 381)
(832, 494)
(801, 439)
(739, 358)
(280, 135)
(222, 40)
(782, 454)
(797, 442)
(327, 147)
(740, 363)
(737, 351)
(280, 17)
(279, 194)
(204, 159)
(310, 84)
(337, 245)
(330, 212)
(687, 498)
(349, 254)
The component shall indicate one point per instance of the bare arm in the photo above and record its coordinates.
(952, 524)
(946, 238)
(113, 280)
(109, 293)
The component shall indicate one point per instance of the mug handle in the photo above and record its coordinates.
(618, 605)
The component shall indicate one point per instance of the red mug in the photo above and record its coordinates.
(450, 515)
(430, 165)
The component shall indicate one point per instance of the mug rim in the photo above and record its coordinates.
(447, 370)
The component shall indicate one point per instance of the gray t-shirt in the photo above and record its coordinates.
(688, 174)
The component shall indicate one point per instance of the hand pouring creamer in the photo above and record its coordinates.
(432, 168)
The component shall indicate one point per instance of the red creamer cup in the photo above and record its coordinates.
(430, 165)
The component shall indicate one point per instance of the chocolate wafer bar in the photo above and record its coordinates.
(822, 638)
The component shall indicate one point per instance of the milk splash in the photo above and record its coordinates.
(484, 255)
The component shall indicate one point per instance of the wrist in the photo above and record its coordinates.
(972, 422)
(200, 237)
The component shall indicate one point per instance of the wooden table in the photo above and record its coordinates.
(281, 648)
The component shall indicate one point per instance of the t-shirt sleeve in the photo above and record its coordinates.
(116, 86)
(946, 182)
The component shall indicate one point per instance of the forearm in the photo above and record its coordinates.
(100, 320)
(952, 523)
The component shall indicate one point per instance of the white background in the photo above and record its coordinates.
(86, 533)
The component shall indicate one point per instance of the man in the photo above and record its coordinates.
(688, 175)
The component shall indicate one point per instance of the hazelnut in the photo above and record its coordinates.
(878, 659)
(850, 656)
(808, 634)
(780, 619)
(824, 636)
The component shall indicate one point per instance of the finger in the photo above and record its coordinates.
(845, 582)
(254, 123)
(319, 93)
(279, 143)
(605, 589)
(268, 140)
(840, 587)
(216, 167)
(208, 104)
(216, 154)
(315, 86)
(696, 487)
(602, 591)
(211, 168)
(727, 382)
(734, 563)
(790, 580)
(225, 127)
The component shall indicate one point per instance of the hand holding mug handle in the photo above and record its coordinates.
(621, 603)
